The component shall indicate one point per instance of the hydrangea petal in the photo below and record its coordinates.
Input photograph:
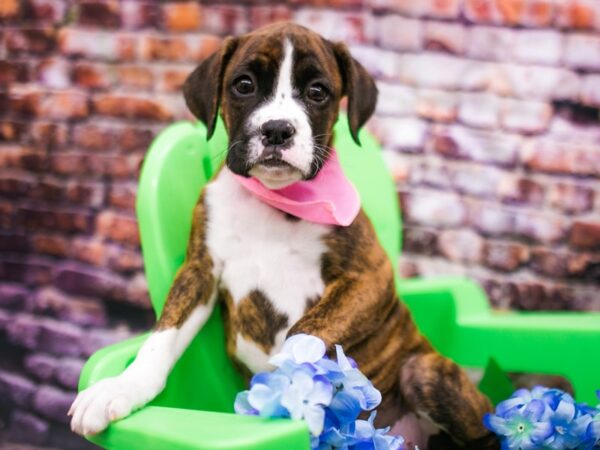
(565, 410)
(314, 417)
(322, 392)
(345, 407)
(496, 424)
(308, 348)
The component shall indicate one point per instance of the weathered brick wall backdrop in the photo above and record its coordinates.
(487, 114)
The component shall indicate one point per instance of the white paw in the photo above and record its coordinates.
(106, 401)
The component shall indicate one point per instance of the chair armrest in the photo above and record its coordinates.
(110, 361)
(455, 315)
(154, 428)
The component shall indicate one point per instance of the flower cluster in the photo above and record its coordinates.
(545, 419)
(329, 395)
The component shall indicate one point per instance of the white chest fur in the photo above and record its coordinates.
(254, 247)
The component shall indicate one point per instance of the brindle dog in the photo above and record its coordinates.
(279, 90)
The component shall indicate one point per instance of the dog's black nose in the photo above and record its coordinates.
(277, 132)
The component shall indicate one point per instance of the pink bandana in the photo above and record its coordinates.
(329, 198)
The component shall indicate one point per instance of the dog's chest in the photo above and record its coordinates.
(257, 251)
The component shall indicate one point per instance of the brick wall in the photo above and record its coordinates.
(487, 114)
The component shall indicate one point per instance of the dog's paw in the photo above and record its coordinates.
(104, 402)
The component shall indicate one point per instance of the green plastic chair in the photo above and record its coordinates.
(195, 409)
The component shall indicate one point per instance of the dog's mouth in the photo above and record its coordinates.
(275, 162)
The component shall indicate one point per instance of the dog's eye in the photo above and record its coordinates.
(317, 93)
(243, 85)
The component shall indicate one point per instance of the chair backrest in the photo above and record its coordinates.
(179, 163)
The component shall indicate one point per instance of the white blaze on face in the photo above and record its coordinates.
(283, 106)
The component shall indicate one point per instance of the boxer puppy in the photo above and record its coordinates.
(278, 90)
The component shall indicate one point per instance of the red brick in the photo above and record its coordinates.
(478, 181)
(77, 310)
(165, 48)
(118, 227)
(559, 157)
(71, 163)
(580, 14)
(582, 51)
(48, 189)
(511, 11)
(477, 145)
(92, 76)
(16, 184)
(125, 260)
(50, 244)
(48, 134)
(443, 36)
(585, 234)
(30, 270)
(36, 41)
(102, 14)
(437, 105)
(399, 33)
(12, 131)
(43, 218)
(110, 46)
(491, 219)
(224, 19)
(525, 116)
(263, 15)
(514, 189)
(94, 137)
(85, 193)
(182, 16)
(79, 280)
(459, 74)
(420, 240)
(45, 11)
(90, 250)
(463, 246)
(538, 47)
(561, 264)
(11, 71)
(590, 90)
(433, 208)
(395, 99)
(481, 11)
(535, 82)
(137, 14)
(54, 73)
(403, 134)
(171, 80)
(134, 138)
(122, 195)
(131, 107)
(571, 198)
(16, 156)
(137, 290)
(538, 296)
(539, 227)
(348, 26)
(539, 13)
(115, 166)
(63, 105)
(505, 256)
(12, 242)
(480, 110)
(446, 9)
(135, 77)
(9, 9)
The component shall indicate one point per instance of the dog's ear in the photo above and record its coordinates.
(358, 86)
(202, 88)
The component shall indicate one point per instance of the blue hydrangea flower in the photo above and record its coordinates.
(306, 398)
(569, 424)
(328, 395)
(522, 428)
(264, 396)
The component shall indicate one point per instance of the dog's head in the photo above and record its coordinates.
(278, 90)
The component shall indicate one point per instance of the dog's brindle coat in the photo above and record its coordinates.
(276, 275)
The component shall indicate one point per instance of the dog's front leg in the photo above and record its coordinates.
(188, 306)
